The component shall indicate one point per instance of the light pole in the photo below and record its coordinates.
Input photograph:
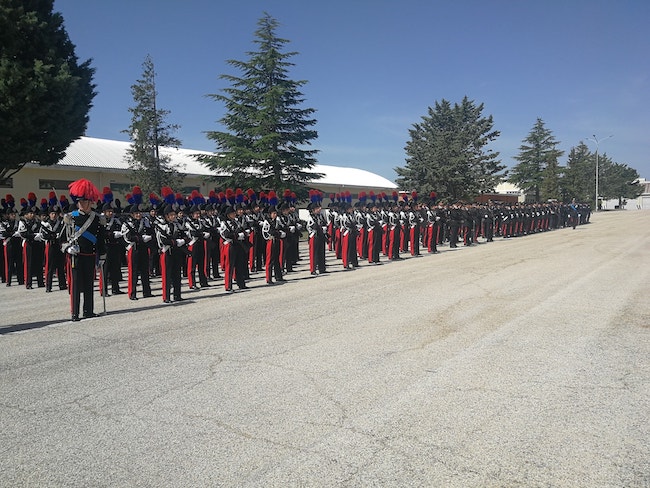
(597, 141)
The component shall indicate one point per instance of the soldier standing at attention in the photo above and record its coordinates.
(84, 245)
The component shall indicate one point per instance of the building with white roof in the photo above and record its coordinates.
(104, 162)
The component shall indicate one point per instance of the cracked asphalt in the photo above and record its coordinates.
(523, 362)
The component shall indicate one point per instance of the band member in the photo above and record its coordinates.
(84, 247)
(414, 221)
(52, 231)
(348, 238)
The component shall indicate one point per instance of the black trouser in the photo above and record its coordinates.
(55, 260)
(82, 279)
(171, 262)
(198, 262)
(273, 266)
(33, 262)
(453, 234)
(112, 266)
(139, 267)
(14, 260)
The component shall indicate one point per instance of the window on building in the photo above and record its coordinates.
(53, 184)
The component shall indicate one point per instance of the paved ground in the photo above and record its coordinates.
(518, 363)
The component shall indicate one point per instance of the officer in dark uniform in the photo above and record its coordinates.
(33, 249)
(84, 245)
(52, 231)
(137, 233)
(171, 242)
(114, 250)
(316, 227)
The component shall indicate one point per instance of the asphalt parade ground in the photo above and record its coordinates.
(522, 362)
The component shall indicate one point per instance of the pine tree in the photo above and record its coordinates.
(447, 154)
(263, 145)
(537, 153)
(579, 175)
(149, 131)
(45, 93)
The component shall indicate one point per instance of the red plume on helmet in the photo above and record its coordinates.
(83, 189)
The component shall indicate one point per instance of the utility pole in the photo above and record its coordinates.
(597, 141)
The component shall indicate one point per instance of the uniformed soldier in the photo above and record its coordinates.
(84, 246)
(13, 248)
(234, 254)
(52, 231)
(114, 242)
(197, 234)
(273, 232)
(29, 228)
(137, 232)
(171, 239)
(316, 228)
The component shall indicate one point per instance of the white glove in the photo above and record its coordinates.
(146, 238)
(283, 234)
(16, 234)
(325, 229)
(117, 234)
(206, 235)
(39, 237)
(292, 228)
(73, 250)
(437, 219)
(241, 236)
(298, 226)
(180, 242)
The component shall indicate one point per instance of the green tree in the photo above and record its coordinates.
(447, 152)
(617, 180)
(148, 132)
(263, 145)
(537, 158)
(45, 93)
(579, 175)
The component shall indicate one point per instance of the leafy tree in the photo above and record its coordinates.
(263, 145)
(148, 132)
(537, 158)
(551, 185)
(617, 180)
(579, 175)
(447, 153)
(45, 93)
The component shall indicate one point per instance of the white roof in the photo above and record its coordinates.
(90, 152)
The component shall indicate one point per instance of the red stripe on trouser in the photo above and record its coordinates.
(226, 262)
(312, 254)
(163, 272)
(205, 258)
(384, 236)
(430, 239)
(129, 261)
(25, 267)
(371, 238)
(412, 235)
(190, 266)
(47, 263)
(251, 251)
(345, 248)
(101, 281)
(269, 248)
(6, 257)
(68, 265)
(360, 242)
(222, 255)
(391, 244)
(281, 251)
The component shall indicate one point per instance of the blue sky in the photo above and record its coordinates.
(374, 67)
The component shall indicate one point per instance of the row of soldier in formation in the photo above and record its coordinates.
(195, 238)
